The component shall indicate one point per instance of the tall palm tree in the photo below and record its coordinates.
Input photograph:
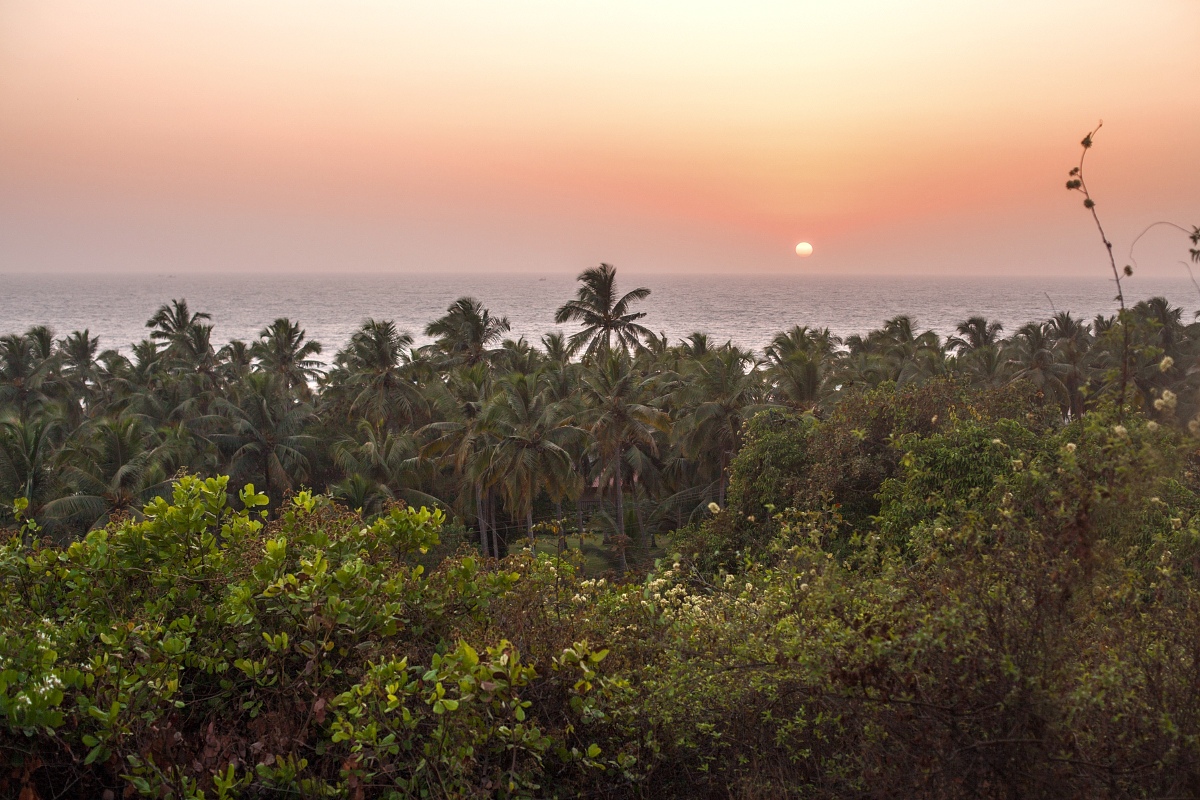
(718, 394)
(80, 371)
(27, 467)
(113, 466)
(265, 435)
(529, 455)
(282, 351)
(1072, 347)
(467, 330)
(462, 442)
(974, 334)
(375, 371)
(802, 339)
(619, 416)
(797, 361)
(236, 359)
(1035, 361)
(605, 317)
(172, 322)
(27, 377)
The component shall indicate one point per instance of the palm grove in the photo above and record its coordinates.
(613, 429)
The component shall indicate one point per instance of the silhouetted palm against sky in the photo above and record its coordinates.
(606, 318)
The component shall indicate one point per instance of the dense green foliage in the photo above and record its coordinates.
(613, 430)
(1021, 617)
(898, 565)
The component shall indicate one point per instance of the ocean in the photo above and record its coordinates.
(747, 309)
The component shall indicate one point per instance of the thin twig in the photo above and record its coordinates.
(1080, 185)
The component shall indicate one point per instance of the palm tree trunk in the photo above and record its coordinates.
(619, 488)
(480, 516)
(579, 519)
(561, 524)
(637, 508)
(496, 547)
(529, 524)
(721, 483)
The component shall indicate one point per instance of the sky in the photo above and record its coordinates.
(907, 137)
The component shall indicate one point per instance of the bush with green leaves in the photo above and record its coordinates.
(203, 652)
(1019, 617)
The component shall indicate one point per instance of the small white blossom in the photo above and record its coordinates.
(1166, 364)
(1152, 426)
(1070, 447)
(714, 508)
(1119, 430)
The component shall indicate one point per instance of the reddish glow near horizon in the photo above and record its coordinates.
(904, 136)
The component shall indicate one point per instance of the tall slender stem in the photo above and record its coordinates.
(1080, 185)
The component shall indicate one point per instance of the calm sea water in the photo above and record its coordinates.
(746, 309)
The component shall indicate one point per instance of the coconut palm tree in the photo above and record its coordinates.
(1072, 347)
(27, 375)
(1034, 360)
(27, 467)
(529, 455)
(80, 372)
(281, 349)
(467, 331)
(462, 441)
(974, 334)
(797, 361)
(605, 317)
(112, 466)
(264, 435)
(172, 322)
(375, 372)
(619, 415)
(718, 394)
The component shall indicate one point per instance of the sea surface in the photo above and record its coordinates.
(747, 309)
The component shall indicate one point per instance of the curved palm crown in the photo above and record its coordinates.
(265, 436)
(603, 315)
(718, 394)
(619, 416)
(798, 381)
(112, 465)
(26, 452)
(467, 330)
(529, 454)
(1036, 361)
(26, 375)
(818, 342)
(172, 321)
(1167, 320)
(973, 334)
(282, 351)
(375, 365)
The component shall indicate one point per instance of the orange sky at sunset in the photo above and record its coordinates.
(897, 137)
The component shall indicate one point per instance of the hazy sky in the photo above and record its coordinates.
(927, 137)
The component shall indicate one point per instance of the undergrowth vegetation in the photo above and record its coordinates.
(942, 592)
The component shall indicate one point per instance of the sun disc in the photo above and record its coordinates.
(804, 249)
